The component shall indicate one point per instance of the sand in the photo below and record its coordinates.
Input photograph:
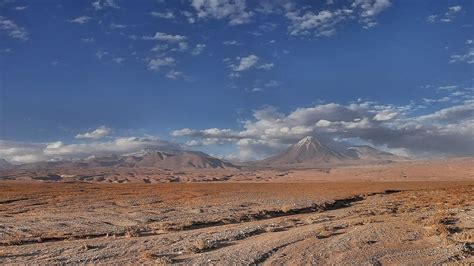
(238, 223)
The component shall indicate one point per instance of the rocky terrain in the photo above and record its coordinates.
(311, 204)
(274, 223)
(451, 169)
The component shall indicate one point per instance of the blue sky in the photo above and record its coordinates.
(232, 77)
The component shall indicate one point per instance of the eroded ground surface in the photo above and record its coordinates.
(238, 223)
(433, 170)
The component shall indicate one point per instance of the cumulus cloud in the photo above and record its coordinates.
(451, 13)
(370, 8)
(104, 4)
(12, 29)
(233, 10)
(88, 40)
(168, 43)
(20, 8)
(160, 36)
(157, 63)
(447, 17)
(246, 63)
(431, 18)
(233, 42)
(118, 60)
(97, 133)
(385, 115)
(80, 20)
(100, 54)
(266, 66)
(320, 23)
(164, 15)
(206, 133)
(198, 49)
(468, 57)
(448, 87)
(447, 132)
(116, 26)
(190, 16)
(325, 22)
(174, 74)
(24, 152)
(439, 100)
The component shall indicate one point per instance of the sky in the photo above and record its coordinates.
(238, 79)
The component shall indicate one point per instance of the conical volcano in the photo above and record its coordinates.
(309, 151)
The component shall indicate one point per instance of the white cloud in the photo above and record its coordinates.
(164, 15)
(447, 132)
(370, 8)
(103, 4)
(448, 16)
(189, 16)
(13, 30)
(245, 63)
(100, 54)
(431, 18)
(266, 66)
(118, 60)
(181, 46)
(174, 74)
(157, 63)
(468, 57)
(20, 8)
(385, 115)
(116, 26)
(233, 42)
(160, 36)
(81, 20)
(447, 88)
(325, 22)
(169, 43)
(320, 23)
(272, 84)
(88, 40)
(160, 48)
(183, 132)
(23, 152)
(233, 10)
(97, 133)
(198, 49)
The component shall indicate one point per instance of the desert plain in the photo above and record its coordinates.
(414, 212)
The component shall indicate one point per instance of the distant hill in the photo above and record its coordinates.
(174, 160)
(365, 152)
(177, 159)
(4, 164)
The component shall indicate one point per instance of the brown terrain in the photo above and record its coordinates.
(369, 208)
(287, 219)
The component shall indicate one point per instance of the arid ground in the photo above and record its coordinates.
(358, 222)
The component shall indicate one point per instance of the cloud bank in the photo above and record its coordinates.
(446, 132)
(27, 152)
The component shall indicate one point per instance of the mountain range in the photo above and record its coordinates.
(4, 164)
(151, 158)
(308, 152)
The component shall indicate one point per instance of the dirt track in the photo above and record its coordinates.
(221, 223)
